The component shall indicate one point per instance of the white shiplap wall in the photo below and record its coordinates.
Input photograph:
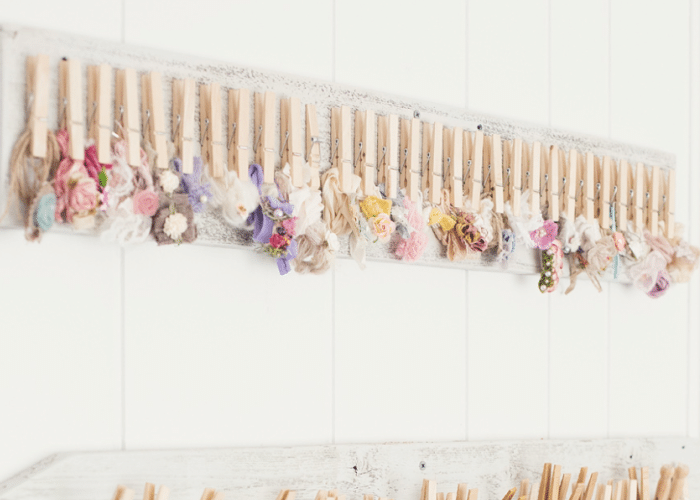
(103, 348)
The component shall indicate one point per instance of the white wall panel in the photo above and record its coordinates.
(221, 350)
(579, 52)
(84, 17)
(415, 50)
(507, 357)
(399, 353)
(290, 37)
(60, 347)
(578, 376)
(508, 59)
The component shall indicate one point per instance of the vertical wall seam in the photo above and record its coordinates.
(689, 343)
(466, 273)
(549, 296)
(609, 333)
(122, 300)
(123, 21)
(466, 54)
(333, 357)
(333, 44)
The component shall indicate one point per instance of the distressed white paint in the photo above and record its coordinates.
(388, 470)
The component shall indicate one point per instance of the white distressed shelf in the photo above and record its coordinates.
(390, 470)
(16, 43)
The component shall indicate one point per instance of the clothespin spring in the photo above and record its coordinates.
(233, 134)
(177, 127)
(255, 147)
(284, 144)
(357, 158)
(204, 132)
(314, 140)
(381, 160)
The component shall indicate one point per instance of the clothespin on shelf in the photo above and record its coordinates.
(604, 188)
(313, 146)
(123, 493)
(622, 195)
(126, 113)
(211, 129)
(149, 492)
(668, 203)
(429, 490)
(239, 141)
(587, 192)
(569, 182)
(452, 143)
(549, 182)
(286, 495)
(290, 135)
(341, 146)
(99, 87)
(564, 486)
(265, 134)
(366, 150)
(387, 154)
(71, 117)
(653, 195)
(644, 472)
(632, 493)
(154, 117)
(212, 494)
(183, 122)
(556, 479)
(511, 494)
(638, 201)
(493, 184)
(513, 163)
(335, 495)
(409, 157)
(37, 72)
(532, 160)
(432, 154)
(473, 161)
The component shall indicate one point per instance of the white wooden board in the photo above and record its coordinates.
(389, 470)
(16, 43)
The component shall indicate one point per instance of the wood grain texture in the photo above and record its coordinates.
(391, 470)
(17, 43)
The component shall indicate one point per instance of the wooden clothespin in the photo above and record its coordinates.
(564, 487)
(313, 146)
(239, 142)
(668, 203)
(578, 491)
(211, 128)
(366, 150)
(604, 180)
(493, 161)
(473, 162)
(510, 494)
(638, 201)
(341, 146)
(265, 134)
(473, 494)
(546, 478)
(432, 154)
(622, 197)
(556, 472)
(569, 183)
(123, 493)
(644, 483)
(289, 495)
(452, 142)
(99, 87)
(534, 492)
(72, 118)
(590, 489)
(183, 122)
(550, 182)
(409, 157)
(653, 196)
(450, 496)
(632, 493)
(680, 477)
(321, 495)
(524, 488)
(154, 116)
(587, 193)
(38, 102)
(387, 154)
(126, 113)
(429, 490)
(150, 490)
(290, 135)
(514, 176)
(531, 174)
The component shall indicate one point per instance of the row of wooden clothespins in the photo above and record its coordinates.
(552, 486)
(463, 164)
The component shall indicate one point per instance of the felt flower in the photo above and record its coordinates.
(508, 239)
(289, 226)
(82, 195)
(146, 202)
(121, 176)
(645, 273)
(175, 225)
(601, 254)
(372, 206)
(169, 182)
(412, 248)
(620, 241)
(663, 282)
(545, 234)
(45, 211)
(197, 192)
(469, 231)
(381, 226)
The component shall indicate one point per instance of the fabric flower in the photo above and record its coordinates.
(197, 192)
(278, 241)
(177, 204)
(93, 165)
(45, 211)
(620, 241)
(125, 226)
(289, 226)
(545, 234)
(169, 182)
(175, 225)
(146, 202)
(83, 194)
(552, 264)
(524, 223)
(121, 176)
(663, 282)
(601, 254)
(508, 239)
(412, 248)
(645, 273)
(372, 206)
(467, 230)
(381, 226)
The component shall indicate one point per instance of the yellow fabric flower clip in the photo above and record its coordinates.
(373, 206)
(446, 222)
